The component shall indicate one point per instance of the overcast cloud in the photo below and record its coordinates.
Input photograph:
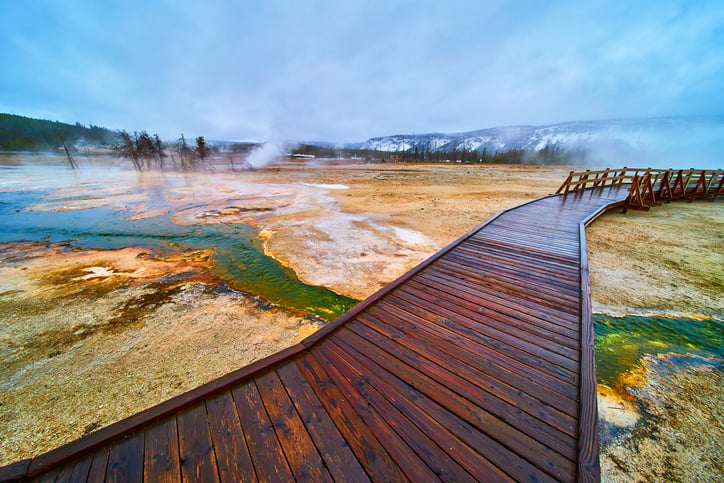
(347, 71)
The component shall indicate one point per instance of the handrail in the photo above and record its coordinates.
(650, 186)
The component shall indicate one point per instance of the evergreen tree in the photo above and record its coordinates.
(201, 148)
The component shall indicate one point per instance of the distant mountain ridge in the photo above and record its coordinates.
(627, 137)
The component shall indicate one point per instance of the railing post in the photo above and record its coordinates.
(719, 188)
(603, 178)
(584, 179)
(566, 184)
(679, 181)
(700, 182)
(665, 186)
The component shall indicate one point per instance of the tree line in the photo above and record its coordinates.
(20, 133)
(549, 155)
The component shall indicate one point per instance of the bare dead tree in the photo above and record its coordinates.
(72, 162)
(126, 148)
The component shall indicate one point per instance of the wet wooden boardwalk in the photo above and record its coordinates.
(476, 365)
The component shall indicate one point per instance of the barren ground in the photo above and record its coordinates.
(90, 337)
(664, 261)
(665, 421)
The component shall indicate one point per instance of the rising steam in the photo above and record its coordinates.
(263, 155)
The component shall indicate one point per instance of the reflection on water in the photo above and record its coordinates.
(621, 341)
(238, 254)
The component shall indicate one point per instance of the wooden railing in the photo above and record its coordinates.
(649, 187)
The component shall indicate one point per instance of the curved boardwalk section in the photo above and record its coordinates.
(477, 365)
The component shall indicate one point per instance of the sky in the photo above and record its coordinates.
(345, 71)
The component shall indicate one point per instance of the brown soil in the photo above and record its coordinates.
(664, 261)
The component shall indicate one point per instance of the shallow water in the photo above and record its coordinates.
(622, 341)
(238, 253)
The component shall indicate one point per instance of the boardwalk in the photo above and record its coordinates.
(476, 365)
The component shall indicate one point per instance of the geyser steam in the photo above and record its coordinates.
(263, 155)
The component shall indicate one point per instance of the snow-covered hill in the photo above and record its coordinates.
(694, 141)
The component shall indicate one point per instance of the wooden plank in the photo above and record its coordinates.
(518, 361)
(536, 228)
(494, 320)
(508, 247)
(370, 453)
(533, 240)
(509, 290)
(510, 261)
(501, 276)
(514, 251)
(196, 450)
(232, 455)
(161, 461)
(502, 289)
(537, 223)
(503, 416)
(551, 281)
(336, 453)
(553, 214)
(97, 471)
(539, 244)
(588, 453)
(556, 213)
(74, 471)
(301, 453)
(468, 368)
(50, 477)
(144, 418)
(520, 276)
(547, 253)
(471, 330)
(125, 461)
(405, 457)
(535, 384)
(81, 468)
(542, 271)
(416, 373)
(15, 471)
(539, 355)
(507, 309)
(261, 439)
(422, 442)
(464, 441)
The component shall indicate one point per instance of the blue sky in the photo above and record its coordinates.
(347, 71)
